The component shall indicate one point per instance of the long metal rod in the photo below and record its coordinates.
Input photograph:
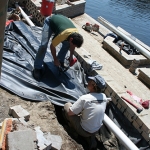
(125, 37)
(119, 134)
(24, 15)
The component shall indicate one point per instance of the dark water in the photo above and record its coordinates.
(131, 15)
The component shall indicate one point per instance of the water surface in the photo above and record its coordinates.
(131, 15)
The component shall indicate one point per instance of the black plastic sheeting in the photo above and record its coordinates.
(20, 47)
(129, 49)
(21, 43)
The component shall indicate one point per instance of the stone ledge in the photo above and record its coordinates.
(71, 10)
(33, 7)
(144, 76)
(123, 58)
(115, 92)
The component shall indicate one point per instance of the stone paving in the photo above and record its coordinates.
(118, 78)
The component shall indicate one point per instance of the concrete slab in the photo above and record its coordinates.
(43, 143)
(21, 140)
(55, 139)
(144, 76)
(123, 58)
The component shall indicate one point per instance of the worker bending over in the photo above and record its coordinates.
(64, 32)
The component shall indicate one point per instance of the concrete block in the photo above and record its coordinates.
(122, 109)
(145, 128)
(108, 94)
(55, 139)
(146, 136)
(118, 106)
(124, 58)
(130, 114)
(115, 100)
(139, 121)
(21, 140)
(131, 117)
(126, 113)
(18, 112)
(137, 126)
(43, 143)
(123, 104)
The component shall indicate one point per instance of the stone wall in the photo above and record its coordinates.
(71, 10)
(33, 8)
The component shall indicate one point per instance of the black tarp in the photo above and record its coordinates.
(20, 47)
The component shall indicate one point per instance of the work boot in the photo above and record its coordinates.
(37, 74)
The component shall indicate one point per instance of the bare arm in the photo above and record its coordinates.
(71, 55)
(53, 51)
(70, 113)
(72, 48)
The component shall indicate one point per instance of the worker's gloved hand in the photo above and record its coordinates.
(73, 61)
(57, 63)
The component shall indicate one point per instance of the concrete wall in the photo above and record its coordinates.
(71, 10)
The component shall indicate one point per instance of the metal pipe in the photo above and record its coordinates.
(24, 15)
(126, 38)
(119, 134)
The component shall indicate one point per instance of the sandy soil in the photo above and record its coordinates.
(42, 114)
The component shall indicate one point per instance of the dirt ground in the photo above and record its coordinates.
(42, 114)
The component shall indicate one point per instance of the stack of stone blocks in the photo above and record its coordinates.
(33, 8)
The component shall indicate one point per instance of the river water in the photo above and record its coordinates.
(131, 15)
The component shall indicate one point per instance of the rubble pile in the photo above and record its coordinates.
(15, 133)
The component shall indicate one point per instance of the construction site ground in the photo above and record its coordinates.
(45, 114)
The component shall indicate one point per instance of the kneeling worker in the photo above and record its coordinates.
(87, 113)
